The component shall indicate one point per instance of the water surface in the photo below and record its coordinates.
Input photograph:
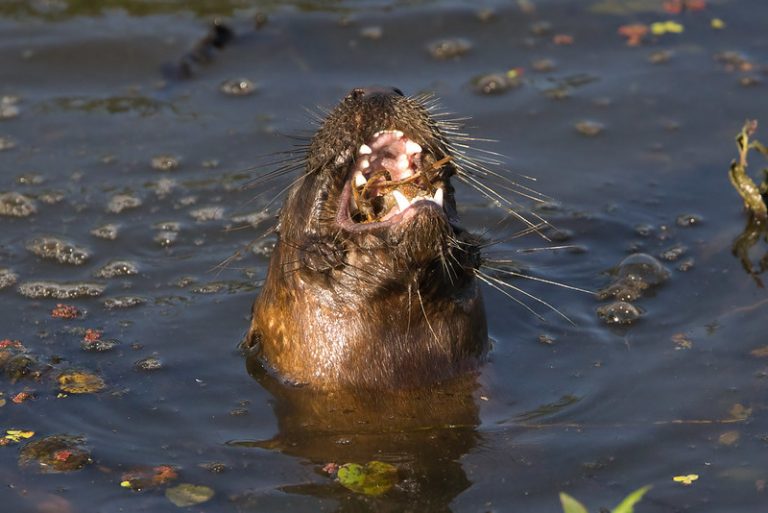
(92, 96)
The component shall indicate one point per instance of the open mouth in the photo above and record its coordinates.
(390, 178)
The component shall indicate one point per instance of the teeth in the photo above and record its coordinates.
(438, 197)
(402, 162)
(402, 201)
(359, 179)
(412, 147)
(396, 133)
(365, 150)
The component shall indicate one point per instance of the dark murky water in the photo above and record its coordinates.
(132, 191)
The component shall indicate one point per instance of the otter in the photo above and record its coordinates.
(371, 284)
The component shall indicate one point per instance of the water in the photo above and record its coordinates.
(105, 136)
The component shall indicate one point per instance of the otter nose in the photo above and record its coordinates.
(361, 93)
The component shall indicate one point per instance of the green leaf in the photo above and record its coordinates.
(375, 478)
(628, 504)
(571, 505)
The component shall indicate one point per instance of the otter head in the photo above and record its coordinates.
(372, 281)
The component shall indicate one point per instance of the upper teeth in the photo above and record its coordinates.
(412, 147)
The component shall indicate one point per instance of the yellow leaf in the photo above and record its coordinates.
(80, 382)
(717, 24)
(686, 480)
(16, 435)
(666, 27)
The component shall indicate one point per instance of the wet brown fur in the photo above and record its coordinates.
(391, 307)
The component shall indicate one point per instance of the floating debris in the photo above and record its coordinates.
(374, 478)
(674, 253)
(54, 454)
(589, 128)
(237, 87)
(63, 311)
(166, 238)
(6, 143)
(187, 494)
(541, 28)
(64, 252)
(660, 57)
(445, 49)
(374, 33)
(15, 436)
(7, 278)
(49, 289)
(207, 214)
(686, 480)
(660, 28)
(121, 202)
(150, 363)
(635, 33)
(734, 61)
(9, 107)
(688, 220)
(14, 204)
(148, 477)
(99, 345)
(107, 231)
(114, 303)
(165, 163)
(117, 268)
(497, 83)
(679, 6)
(80, 382)
(543, 65)
(22, 397)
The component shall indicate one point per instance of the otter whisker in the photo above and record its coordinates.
(224, 264)
(423, 311)
(522, 233)
(482, 278)
(541, 280)
(447, 270)
(537, 299)
(549, 248)
(494, 196)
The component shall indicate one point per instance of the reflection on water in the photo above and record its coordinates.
(746, 243)
(424, 433)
